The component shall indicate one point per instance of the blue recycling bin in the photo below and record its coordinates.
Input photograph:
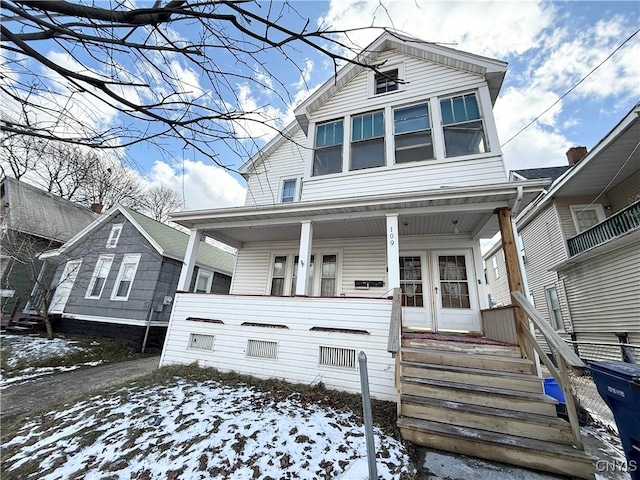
(618, 384)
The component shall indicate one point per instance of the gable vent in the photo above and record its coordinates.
(262, 349)
(201, 342)
(337, 357)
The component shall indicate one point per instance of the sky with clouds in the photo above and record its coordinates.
(549, 46)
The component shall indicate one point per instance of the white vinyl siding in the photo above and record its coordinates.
(498, 287)
(625, 193)
(604, 293)
(358, 259)
(99, 277)
(286, 162)
(408, 177)
(298, 345)
(423, 80)
(545, 247)
(126, 277)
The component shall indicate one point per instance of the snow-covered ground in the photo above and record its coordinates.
(197, 430)
(33, 350)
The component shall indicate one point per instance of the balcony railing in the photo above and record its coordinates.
(622, 222)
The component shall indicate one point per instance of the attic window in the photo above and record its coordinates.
(114, 236)
(386, 82)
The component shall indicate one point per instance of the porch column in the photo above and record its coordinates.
(514, 276)
(189, 261)
(393, 252)
(304, 258)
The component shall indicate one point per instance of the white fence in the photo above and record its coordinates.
(298, 339)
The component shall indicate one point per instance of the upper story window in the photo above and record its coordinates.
(99, 276)
(586, 216)
(494, 265)
(327, 156)
(462, 126)
(367, 141)
(127, 273)
(114, 236)
(385, 82)
(553, 304)
(289, 190)
(412, 131)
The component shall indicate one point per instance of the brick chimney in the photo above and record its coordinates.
(575, 154)
(97, 207)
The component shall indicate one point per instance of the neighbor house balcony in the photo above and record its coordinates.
(621, 223)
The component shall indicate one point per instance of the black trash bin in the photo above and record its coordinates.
(619, 385)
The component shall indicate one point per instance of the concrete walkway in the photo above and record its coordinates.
(50, 390)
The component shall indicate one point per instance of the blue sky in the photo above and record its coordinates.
(549, 47)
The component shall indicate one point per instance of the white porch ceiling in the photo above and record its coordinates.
(469, 211)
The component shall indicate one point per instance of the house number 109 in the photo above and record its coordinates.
(391, 236)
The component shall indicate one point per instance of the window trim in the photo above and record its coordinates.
(205, 273)
(576, 209)
(371, 79)
(429, 130)
(114, 235)
(353, 142)
(128, 259)
(94, 276)
(317, 271)
(550, 310)
(482, 120)
(295, 196)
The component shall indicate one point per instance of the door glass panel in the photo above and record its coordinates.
(454, 286)
(411, 282)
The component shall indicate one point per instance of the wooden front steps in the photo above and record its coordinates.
(25, 324)
(482, 399)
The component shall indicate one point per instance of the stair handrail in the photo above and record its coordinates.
(395, 324)
(565, 357)
(554, 340)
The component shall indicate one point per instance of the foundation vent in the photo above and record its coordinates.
(337, 357)
(262, 349)
(198, 341)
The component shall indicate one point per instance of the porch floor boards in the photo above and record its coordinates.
(472, 395)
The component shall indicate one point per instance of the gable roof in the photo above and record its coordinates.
(167, 241)
(614, 158)
(28, 209)
(493, 70)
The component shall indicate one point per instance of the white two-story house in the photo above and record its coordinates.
(385, 182)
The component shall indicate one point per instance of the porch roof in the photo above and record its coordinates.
(467, 210)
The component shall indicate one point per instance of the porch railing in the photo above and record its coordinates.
(622, 222)
(565, 357)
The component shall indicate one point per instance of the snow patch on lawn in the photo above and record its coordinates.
(198, 431)
(31, 348)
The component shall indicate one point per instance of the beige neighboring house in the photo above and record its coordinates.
(580, 242)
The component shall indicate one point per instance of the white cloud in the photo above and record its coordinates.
(305, 75)
(205, 186)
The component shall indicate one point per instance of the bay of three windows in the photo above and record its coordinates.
(462, 130)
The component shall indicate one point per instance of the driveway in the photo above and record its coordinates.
(46, 391)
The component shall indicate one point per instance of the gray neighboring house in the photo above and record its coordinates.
(581, 247)
(33, 221)
(119, 275)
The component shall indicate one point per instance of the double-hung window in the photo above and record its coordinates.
(412, 130)
(124, 280)
(367, 141)
(279, 274)
(462, 126)
(99, 277)
(203, 281)
(329, 271)
(327, 157)
(289, 190)
(586, 216)
(114, 235)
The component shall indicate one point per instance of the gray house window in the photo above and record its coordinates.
(127, 273)
(99, 277)
(114, 236)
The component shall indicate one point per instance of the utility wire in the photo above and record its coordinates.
(572, 88)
